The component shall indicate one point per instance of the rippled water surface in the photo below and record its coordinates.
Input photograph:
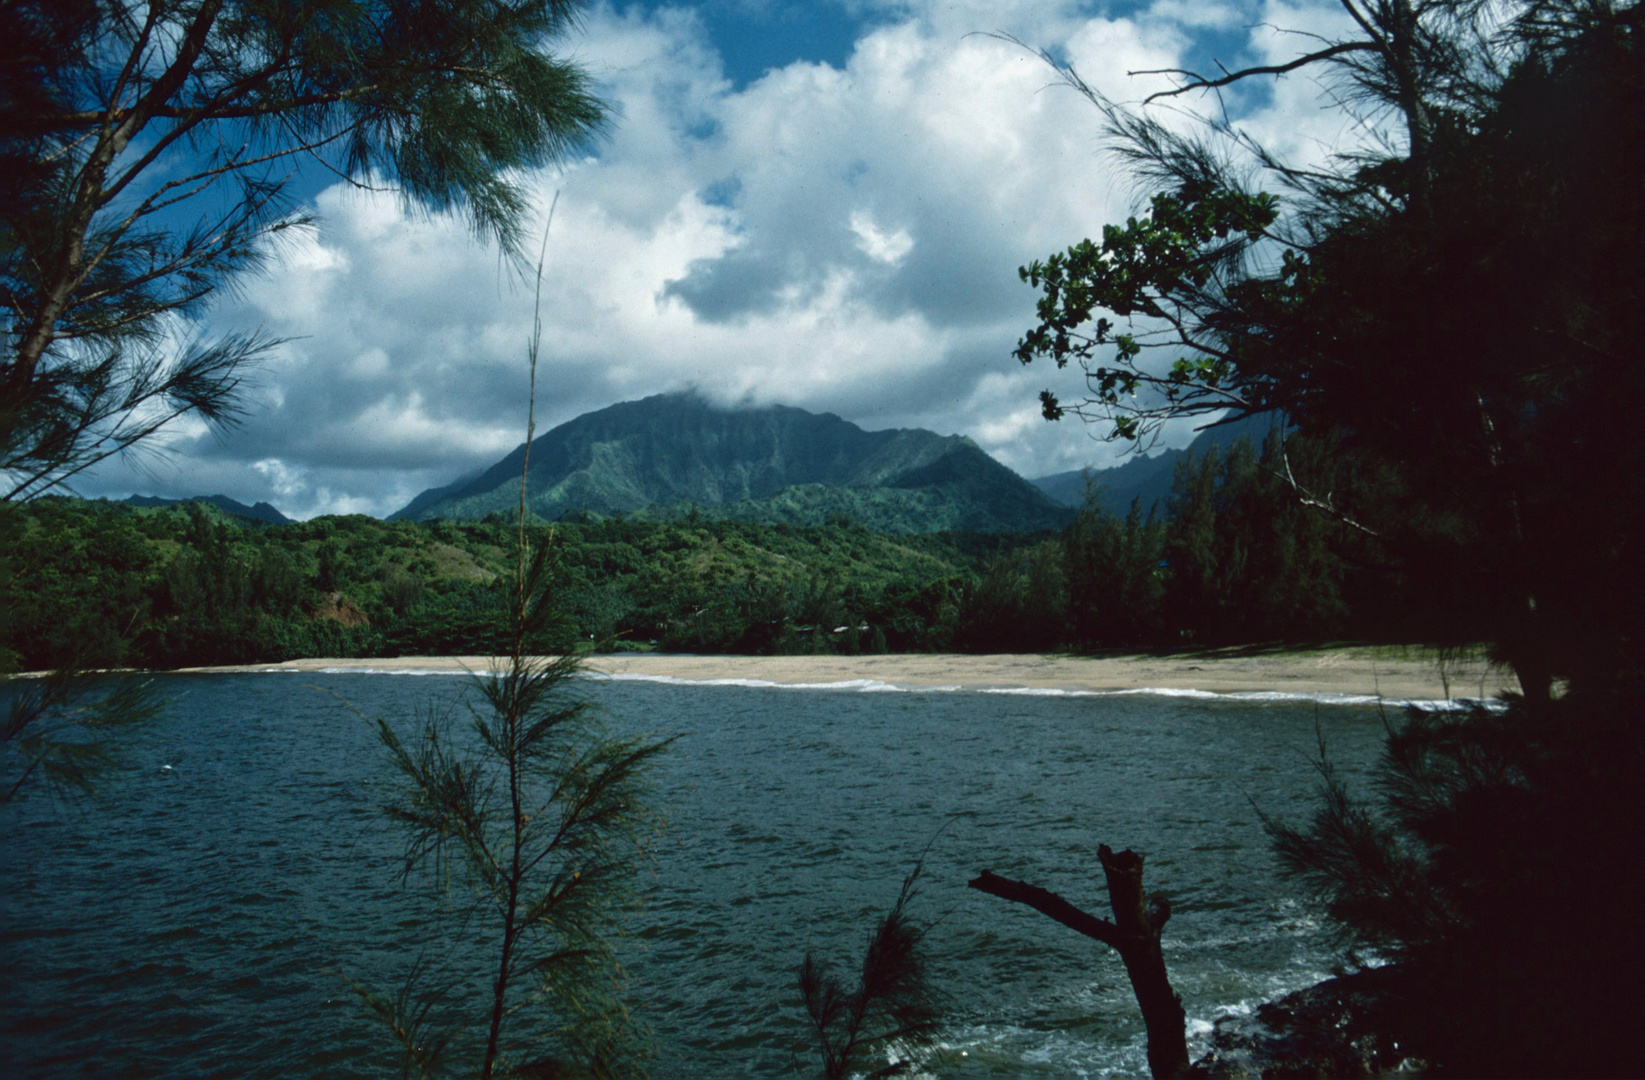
(194, 921)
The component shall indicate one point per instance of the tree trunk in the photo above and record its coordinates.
(1140, 920)
(1134, 934)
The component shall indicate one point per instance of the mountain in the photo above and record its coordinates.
(674, 454)
(260, 512)
(1148, 478)
(413, 510)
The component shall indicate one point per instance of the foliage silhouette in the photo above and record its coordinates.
(107, 250)
(1452, 315)
(59, 727)
(1492, 867)
(542, 815)
(893, 1005)
(1385, 303)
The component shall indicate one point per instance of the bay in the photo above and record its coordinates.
(199, 920)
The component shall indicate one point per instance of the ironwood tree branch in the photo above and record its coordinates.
(1200, 82)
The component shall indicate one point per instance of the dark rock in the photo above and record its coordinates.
(1338, 1028)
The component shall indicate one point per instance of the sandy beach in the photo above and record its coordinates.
(1339, 671)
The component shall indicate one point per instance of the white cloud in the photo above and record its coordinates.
(881, 246)
(843, 239)
(283, 481)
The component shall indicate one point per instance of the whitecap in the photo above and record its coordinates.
(397, 671)
(860, 685)
(877, 686)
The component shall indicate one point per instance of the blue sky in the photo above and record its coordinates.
(814, 204)
(754, 37)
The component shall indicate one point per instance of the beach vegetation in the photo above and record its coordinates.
(1470, 395)
(1476, 826)
(528, 804)
(62, 730)
(542, 815)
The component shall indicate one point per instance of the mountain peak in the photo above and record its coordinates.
(261, 511)
(664, 455)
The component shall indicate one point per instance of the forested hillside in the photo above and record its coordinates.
(671, 455)
(1234, 560)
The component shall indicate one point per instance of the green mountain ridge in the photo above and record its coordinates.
(258, 512)
(671, 455)
(1149, 478)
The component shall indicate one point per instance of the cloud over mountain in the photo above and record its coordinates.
(833, 238)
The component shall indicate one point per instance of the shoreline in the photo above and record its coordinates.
(1349, 672)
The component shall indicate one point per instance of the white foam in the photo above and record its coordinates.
(1322, 697)
(876, 686)
(859, 685)
(1034, 691)
(398, 671)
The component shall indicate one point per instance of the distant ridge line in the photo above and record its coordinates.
(261, 511)
(663, 456)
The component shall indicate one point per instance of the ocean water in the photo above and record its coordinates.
(200, 920)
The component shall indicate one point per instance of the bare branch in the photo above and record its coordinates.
(1199, 82)
(1049, 904)
(1308, 498)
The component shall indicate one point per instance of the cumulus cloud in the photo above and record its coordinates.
(840, 238)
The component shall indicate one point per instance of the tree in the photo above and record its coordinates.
(1387, 301)
(1458, 314)
(146, 152)
(1493, 865)
(1209, 245)
(1019, 601)
(59, 728)
(146, 156)
(892, 1003)
(1114, 575)
(1134, 933)
(542, 815)
(1244, 561)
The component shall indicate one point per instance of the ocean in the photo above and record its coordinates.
(201, 919)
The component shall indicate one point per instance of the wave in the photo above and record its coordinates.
(461, 672)
(862, 686)
(876, 686)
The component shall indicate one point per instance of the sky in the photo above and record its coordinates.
(820, 204)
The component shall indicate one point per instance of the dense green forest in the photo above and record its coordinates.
(1233, 560)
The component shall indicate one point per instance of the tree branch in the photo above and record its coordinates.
(1049, 904)
(1199, 82)
(1308, 498)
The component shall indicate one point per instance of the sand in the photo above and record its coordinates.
(1312, 672)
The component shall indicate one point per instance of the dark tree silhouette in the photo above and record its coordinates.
(1134, 934)
(892, 1003)
(106, 249)
(1387, 300)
